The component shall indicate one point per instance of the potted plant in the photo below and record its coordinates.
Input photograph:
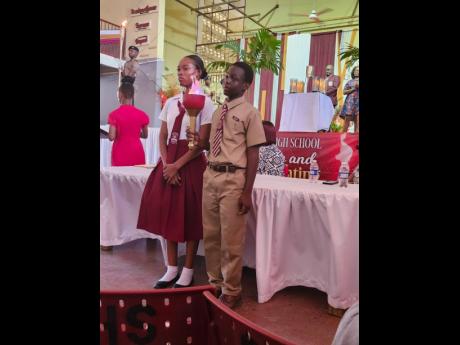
(337, 122)
(352, 54)
(263, 53)
(336, 127)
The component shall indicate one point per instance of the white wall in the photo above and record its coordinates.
(297, 57)
(108, 96)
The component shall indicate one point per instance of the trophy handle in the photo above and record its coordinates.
(191, 142)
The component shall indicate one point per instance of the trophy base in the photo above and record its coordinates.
(191, 145)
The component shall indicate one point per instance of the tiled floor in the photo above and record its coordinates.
(298, 314)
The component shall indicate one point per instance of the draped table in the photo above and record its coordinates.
(306, 112)
(298, 232)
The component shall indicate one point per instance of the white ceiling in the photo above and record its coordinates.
(281, 20)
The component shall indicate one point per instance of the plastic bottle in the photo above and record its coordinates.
(314, 171)
(356, 176)
(344, 173)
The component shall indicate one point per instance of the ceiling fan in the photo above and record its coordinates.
(313, 15)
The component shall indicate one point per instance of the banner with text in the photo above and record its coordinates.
(329, 150)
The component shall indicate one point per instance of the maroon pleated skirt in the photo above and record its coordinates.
(174, 212)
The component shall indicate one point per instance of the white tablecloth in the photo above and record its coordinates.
(151, 147)
(306, 234)
(120, 198)
(306, 112)
(121, 190)
(299, 233)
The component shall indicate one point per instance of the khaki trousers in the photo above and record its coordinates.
(224, 229)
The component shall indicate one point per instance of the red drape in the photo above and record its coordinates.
(279, 101)
(249, 92)
(322, 53)
(266, 83)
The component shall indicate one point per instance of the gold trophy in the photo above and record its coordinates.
(322, 85)
(315, 84)
(293, 86)
(300, 86)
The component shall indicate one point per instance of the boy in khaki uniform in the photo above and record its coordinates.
(236, 133)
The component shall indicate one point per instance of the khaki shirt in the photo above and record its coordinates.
(242, 129)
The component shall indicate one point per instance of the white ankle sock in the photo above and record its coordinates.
(170, 274)
(186, 276)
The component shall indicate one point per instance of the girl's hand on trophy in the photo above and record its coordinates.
(195, 136)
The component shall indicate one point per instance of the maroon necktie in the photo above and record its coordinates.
(219, 132)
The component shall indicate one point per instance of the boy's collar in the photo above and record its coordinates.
(234, 102)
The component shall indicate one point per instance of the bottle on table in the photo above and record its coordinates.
(314, 171)
(344, 173)
(356, 176)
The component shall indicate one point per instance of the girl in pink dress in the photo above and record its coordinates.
(171, 202)
(127, 125)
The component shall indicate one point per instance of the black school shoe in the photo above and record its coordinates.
(183, 286)
(161, 284)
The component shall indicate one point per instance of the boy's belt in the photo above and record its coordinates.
(223, 167)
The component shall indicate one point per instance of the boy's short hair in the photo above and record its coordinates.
(248, 72)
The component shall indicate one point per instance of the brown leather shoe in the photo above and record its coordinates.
(230, 301)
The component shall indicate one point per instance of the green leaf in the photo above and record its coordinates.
(231, 45)
(218, 66)
(351, 55)
(263, 53)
